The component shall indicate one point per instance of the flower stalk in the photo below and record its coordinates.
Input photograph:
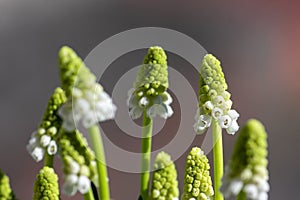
(97, 145)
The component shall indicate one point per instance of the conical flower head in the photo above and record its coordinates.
(214, 99)
(150, 88)
(6, 192)
(46, 185)
(164, 181)
(87, 101)
(247, 170)
(79, 164)
(197, 181)
(44, 139)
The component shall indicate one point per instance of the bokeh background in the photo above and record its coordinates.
(257, 42)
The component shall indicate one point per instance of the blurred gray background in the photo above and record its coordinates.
(258, 44)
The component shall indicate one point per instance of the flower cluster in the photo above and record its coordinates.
(44, 139)
(150, 88)
(164, 183)
(6, 192)
(214, 99)
(247, 172)
(79, 164)
(87, 101)
(46, 185)
(197, 181)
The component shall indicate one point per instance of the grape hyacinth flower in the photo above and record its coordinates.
(43, 141)
(246, 176)
(197, 181)
(46, 185)
(150, 88)
(87, 101)
(6, 192)
(164, 181)
(214, 99)
(79, 165)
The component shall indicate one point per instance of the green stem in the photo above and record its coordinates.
(48, 161)
(89, 195)
(146, 156)
(218, 158)
(98, 148)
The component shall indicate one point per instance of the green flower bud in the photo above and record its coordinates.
(46, 185)
(214, 99)
(164, 181)
(70, 64)
(247, 170)
(6, 192)
(149, 92)
(197, 181)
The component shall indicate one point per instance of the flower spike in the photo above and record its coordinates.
(79, 164)
(214, 99)
(44, 139)
(247, 174)
(87, 101)
(164, 183)
(150, 88)
(46, 185)
(197, 181)
(6, 192)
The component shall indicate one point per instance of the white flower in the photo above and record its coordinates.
(246, 175)
(143, 102)
(84, 184)
(38, 154)
(225, 121)
(136, 112)
(233, 114)
(262, 196)
(234, 127)
(45, 140)
(52, 148)
(251, 191)
(202, 123)
(89, 119)
(235, 186)
(218, 101)
(33, 142)
(217, 112)
(169, 99)
(74, 167)
(161, 110)
(208, 106)
(71, 179)
(69, 189)
(81, 106)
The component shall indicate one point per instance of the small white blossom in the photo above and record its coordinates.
(234, 127)
(136, 112)
(217, 112)
(236, 186)
(38, 154)
(74, 167)
(45, 140)
(233, 114)
(143, 102)
(262, 196)
(71, 179)
(84, 184)
(69, 189)
(225, 121)
(169, 99)
(251, 191)
(202, 123)
(208, 106)
(52, 148)
(218, 101)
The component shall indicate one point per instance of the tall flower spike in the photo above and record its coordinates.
(247, 172)
(150, 87)
(46, 185)
(79, 164)
(214, 99)
(44, 139)
(197, 181)
(164, 181)
(87, 101)
(6, 192)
